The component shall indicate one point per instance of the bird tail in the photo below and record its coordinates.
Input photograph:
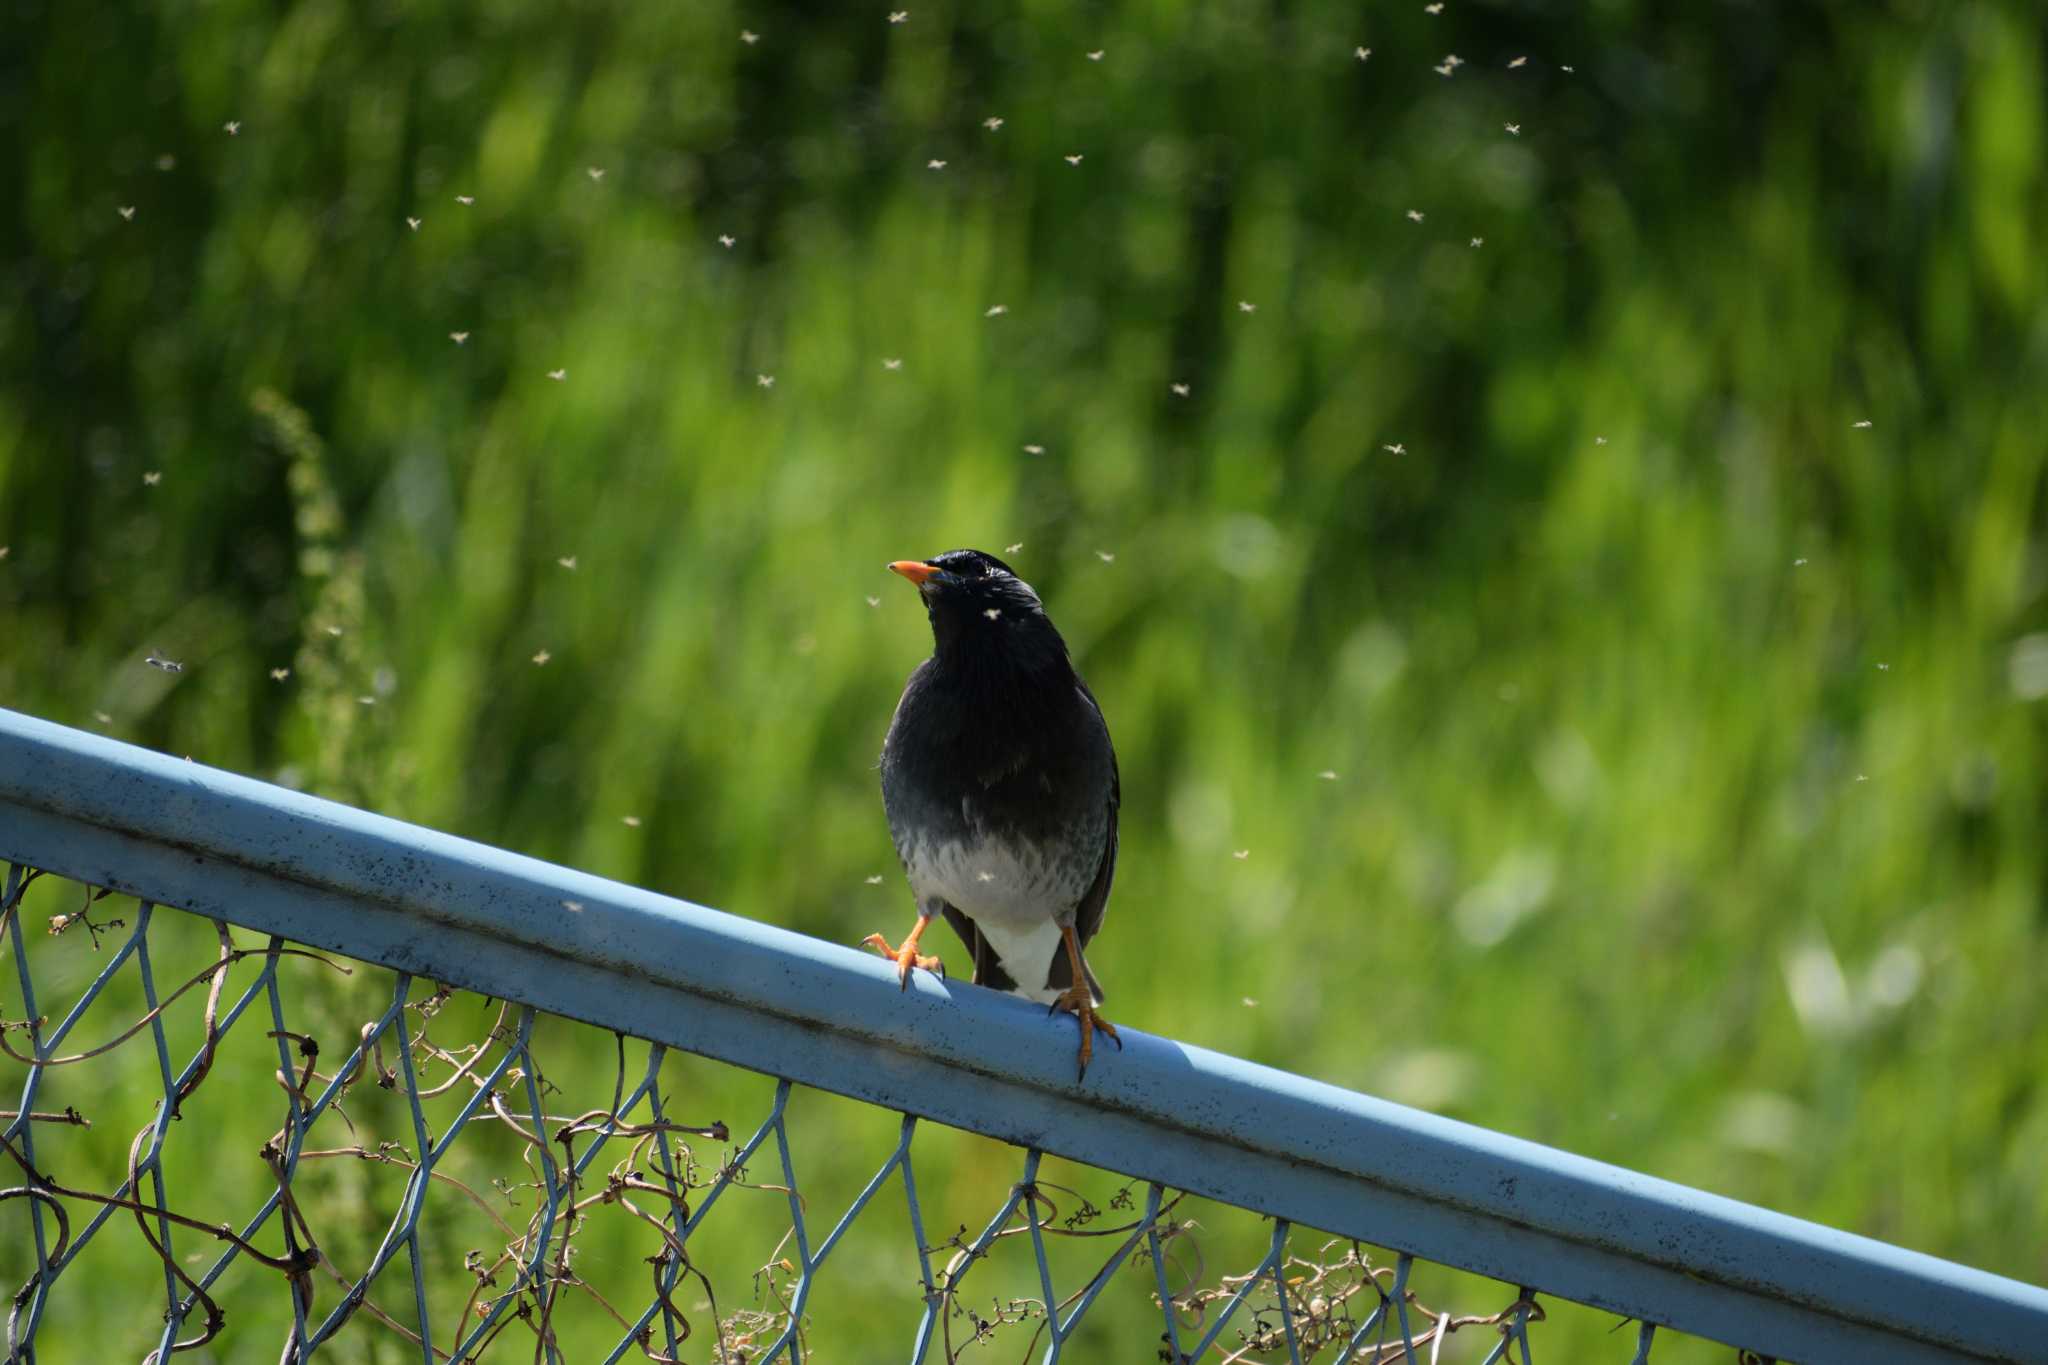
(1094, 986)
(1061, 975)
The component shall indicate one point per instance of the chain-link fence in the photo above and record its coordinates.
(336, 1102)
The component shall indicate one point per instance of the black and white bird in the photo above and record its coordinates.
(1001, 790)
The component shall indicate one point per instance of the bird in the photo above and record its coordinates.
(1001, 789)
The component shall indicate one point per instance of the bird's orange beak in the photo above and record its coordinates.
(914, 570)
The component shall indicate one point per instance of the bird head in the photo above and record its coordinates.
(977, 605)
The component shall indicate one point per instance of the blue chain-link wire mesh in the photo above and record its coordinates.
(633, 1157)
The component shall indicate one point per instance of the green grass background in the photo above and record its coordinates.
(1690, 760)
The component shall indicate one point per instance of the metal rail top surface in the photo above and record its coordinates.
(829, 1016)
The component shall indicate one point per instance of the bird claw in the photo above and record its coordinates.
(1079, 1003)
(905, 958)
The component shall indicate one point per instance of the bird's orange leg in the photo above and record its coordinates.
(907, 956)
(1079, 1001)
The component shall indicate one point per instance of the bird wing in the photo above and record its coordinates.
(1088, 917)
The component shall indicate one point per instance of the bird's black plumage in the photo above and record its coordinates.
(999, 779)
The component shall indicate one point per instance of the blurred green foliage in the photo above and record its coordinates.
(1575, 648)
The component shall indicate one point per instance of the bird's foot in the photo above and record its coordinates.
(1078, 1002)
(905, 957)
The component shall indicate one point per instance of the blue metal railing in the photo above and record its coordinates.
(441, 909)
